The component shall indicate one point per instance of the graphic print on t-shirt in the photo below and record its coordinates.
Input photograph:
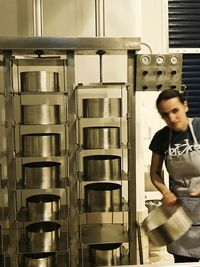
(185, 148)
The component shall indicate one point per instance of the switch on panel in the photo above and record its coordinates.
(155, 72)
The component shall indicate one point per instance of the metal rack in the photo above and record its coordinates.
(58, 54)
(102, 225)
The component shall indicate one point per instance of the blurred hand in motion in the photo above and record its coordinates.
(169, 199)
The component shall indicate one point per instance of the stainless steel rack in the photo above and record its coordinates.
(58, 54)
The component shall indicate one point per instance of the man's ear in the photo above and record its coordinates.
(186, 106)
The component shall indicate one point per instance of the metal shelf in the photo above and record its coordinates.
(110, 151)
(83, 178)
(64, 183)
(59, 53)
(39, 61)
(120, 217)
(106, 233)
(84, 45)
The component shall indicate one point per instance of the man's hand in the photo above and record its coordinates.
(195, 193)
(169, 199)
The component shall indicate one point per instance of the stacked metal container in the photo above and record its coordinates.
(69, 157)
(41, 163)
(102, 157)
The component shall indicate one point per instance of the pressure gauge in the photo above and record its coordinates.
(145, 60)
(174, 60)
(159, 60)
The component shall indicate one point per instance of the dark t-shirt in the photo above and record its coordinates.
(180, 142)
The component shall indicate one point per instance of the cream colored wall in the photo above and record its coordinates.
(154, 25)
(8, 18)
(132, 18)
(137, 18)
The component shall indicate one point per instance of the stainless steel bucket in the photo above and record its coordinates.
(40, 114)
(101, 107)
(101, 197)
(44, 174)
(43, 207)
(41, 145)
(39, 81)
(164, 224)
(105, 254)
(101, 137)
(102, 167)
(43, 236)
(39, 260)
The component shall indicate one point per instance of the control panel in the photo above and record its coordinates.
(156, 72)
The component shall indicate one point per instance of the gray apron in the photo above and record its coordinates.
(184, 172)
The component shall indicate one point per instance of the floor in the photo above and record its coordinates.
(159, 255)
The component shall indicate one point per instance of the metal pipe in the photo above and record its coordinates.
(100, 30)
(131, 157)
(37, 17)
(100, 53)
(99, 18)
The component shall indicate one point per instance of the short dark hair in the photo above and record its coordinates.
(170, 93)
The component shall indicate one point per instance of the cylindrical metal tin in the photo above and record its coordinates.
(39, 81)
(43, 207)
(101, 107)
(39, 260)
(43, 236)
(102, 167)
(101, 137)
(105, 254)
(101, 197)
(40, 114)
(41, 145)
(165, 224)
(44, 174)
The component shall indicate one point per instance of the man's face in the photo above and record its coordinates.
(173, 113)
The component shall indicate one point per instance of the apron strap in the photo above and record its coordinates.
(196, 144)
(193, 134)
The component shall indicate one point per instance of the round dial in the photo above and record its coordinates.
(174, 60)
(159, 60)
(145, 60)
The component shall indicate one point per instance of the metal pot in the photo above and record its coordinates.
(39, 260)
(101, 197)
(43, 207)
(101, 107)
(44, 174)
(105, 254)
(101, 137)
(164, 224)
(43, 236)
(41, 144)
(39, 81)
(102, 167)
(40, 114)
